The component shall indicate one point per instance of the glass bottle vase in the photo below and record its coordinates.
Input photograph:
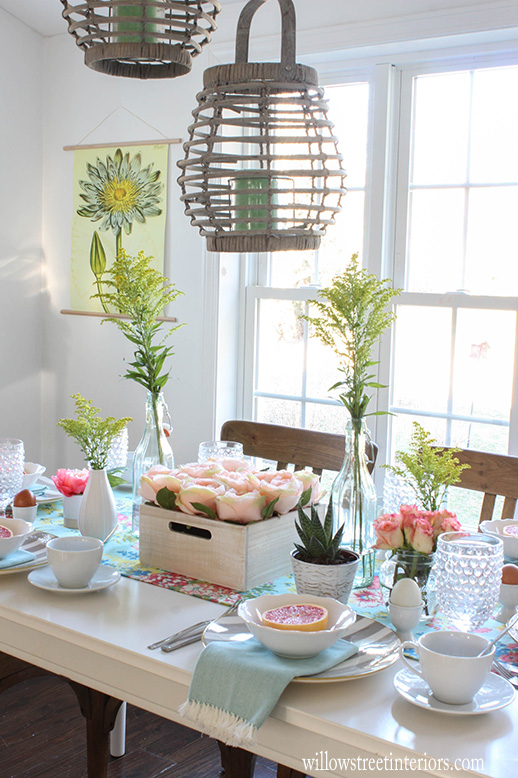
(354, 501)
(153, 449)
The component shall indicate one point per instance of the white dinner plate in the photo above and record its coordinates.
(48, 496)
(36, 543)
(377, 647)
(44, 578)
(495, 694)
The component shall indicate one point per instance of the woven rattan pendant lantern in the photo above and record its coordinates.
(141, 38)
(262, 171)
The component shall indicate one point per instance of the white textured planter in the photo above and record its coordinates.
(98, 513)
(325, 580)
(71, 508)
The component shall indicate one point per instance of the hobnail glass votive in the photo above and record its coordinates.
(468, 567)
(219, 449)
(12, 459)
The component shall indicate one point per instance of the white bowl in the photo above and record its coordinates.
(32, 472)
(496, 528)
(20, 530)
(295, 644)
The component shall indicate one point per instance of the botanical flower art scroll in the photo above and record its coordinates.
(120, 202)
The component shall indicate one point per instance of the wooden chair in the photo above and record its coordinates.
(292, 445)
(285, 446)
(494, 475)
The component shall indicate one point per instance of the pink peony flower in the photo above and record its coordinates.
(236, 465)
(281, 484)
(239, 481)
(164, 479)
(242, 508)
(70, 482)
(389, 533)
(192, 491)
(309, 479)
(201, 469)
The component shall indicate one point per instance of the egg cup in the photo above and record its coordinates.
(25, 512)
(405, 618)
(509, 602)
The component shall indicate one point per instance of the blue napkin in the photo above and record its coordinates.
(235, 686)
(19, 557)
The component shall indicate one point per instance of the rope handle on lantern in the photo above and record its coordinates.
(288, 36)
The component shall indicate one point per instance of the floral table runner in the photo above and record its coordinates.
(121, 552)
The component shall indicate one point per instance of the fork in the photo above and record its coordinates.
(505, 673)
(195, 630)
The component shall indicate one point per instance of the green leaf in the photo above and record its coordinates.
(204, 509)
(267, 511)
(166, 499)
(305, 496)
(97, 255)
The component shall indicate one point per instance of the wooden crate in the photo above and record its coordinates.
(239, 556)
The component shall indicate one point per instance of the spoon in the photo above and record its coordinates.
(510, 625)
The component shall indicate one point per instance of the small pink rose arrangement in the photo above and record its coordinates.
(228, 490)
(70, 482)
(413, 529)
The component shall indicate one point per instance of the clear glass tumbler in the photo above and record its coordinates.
(12, 460)
(219, 449)
(468, 571)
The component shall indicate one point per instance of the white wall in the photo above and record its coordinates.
(80, 354)
(21, 296)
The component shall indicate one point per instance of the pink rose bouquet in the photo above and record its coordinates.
(228, 490)
(411, 537)
(413, 529)
(70, 482)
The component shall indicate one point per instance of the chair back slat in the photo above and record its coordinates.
(291, 445)
(494, 475)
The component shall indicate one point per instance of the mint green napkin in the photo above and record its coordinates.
(235, 686)
(19, 557)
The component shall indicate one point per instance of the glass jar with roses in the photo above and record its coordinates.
(410, 540)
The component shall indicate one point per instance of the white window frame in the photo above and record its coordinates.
(386, 193)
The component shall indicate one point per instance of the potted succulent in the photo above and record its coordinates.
(320, 564)
(98, 514)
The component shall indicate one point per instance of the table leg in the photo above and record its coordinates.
(100, 711)
(118, 733)
(236, 762)
(288, 772)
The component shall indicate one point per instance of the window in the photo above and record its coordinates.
(432, 203)
(289, 378)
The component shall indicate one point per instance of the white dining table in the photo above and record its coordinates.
(99, 640)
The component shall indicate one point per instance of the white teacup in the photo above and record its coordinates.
(74, 560)
(450, 665)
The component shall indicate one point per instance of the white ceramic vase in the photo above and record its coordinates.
(98, 513)
(71, 508)
(325, 580)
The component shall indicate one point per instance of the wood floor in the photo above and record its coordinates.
(42, 735)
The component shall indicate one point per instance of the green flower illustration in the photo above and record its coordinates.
(120, 191)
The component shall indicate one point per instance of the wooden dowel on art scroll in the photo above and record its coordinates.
(103, 315)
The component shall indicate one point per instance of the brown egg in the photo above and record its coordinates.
(24, 499)
(510, 574)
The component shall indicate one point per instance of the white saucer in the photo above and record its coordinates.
(44, 578)
(495, 694)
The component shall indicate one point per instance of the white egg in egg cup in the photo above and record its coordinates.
(405, 607)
